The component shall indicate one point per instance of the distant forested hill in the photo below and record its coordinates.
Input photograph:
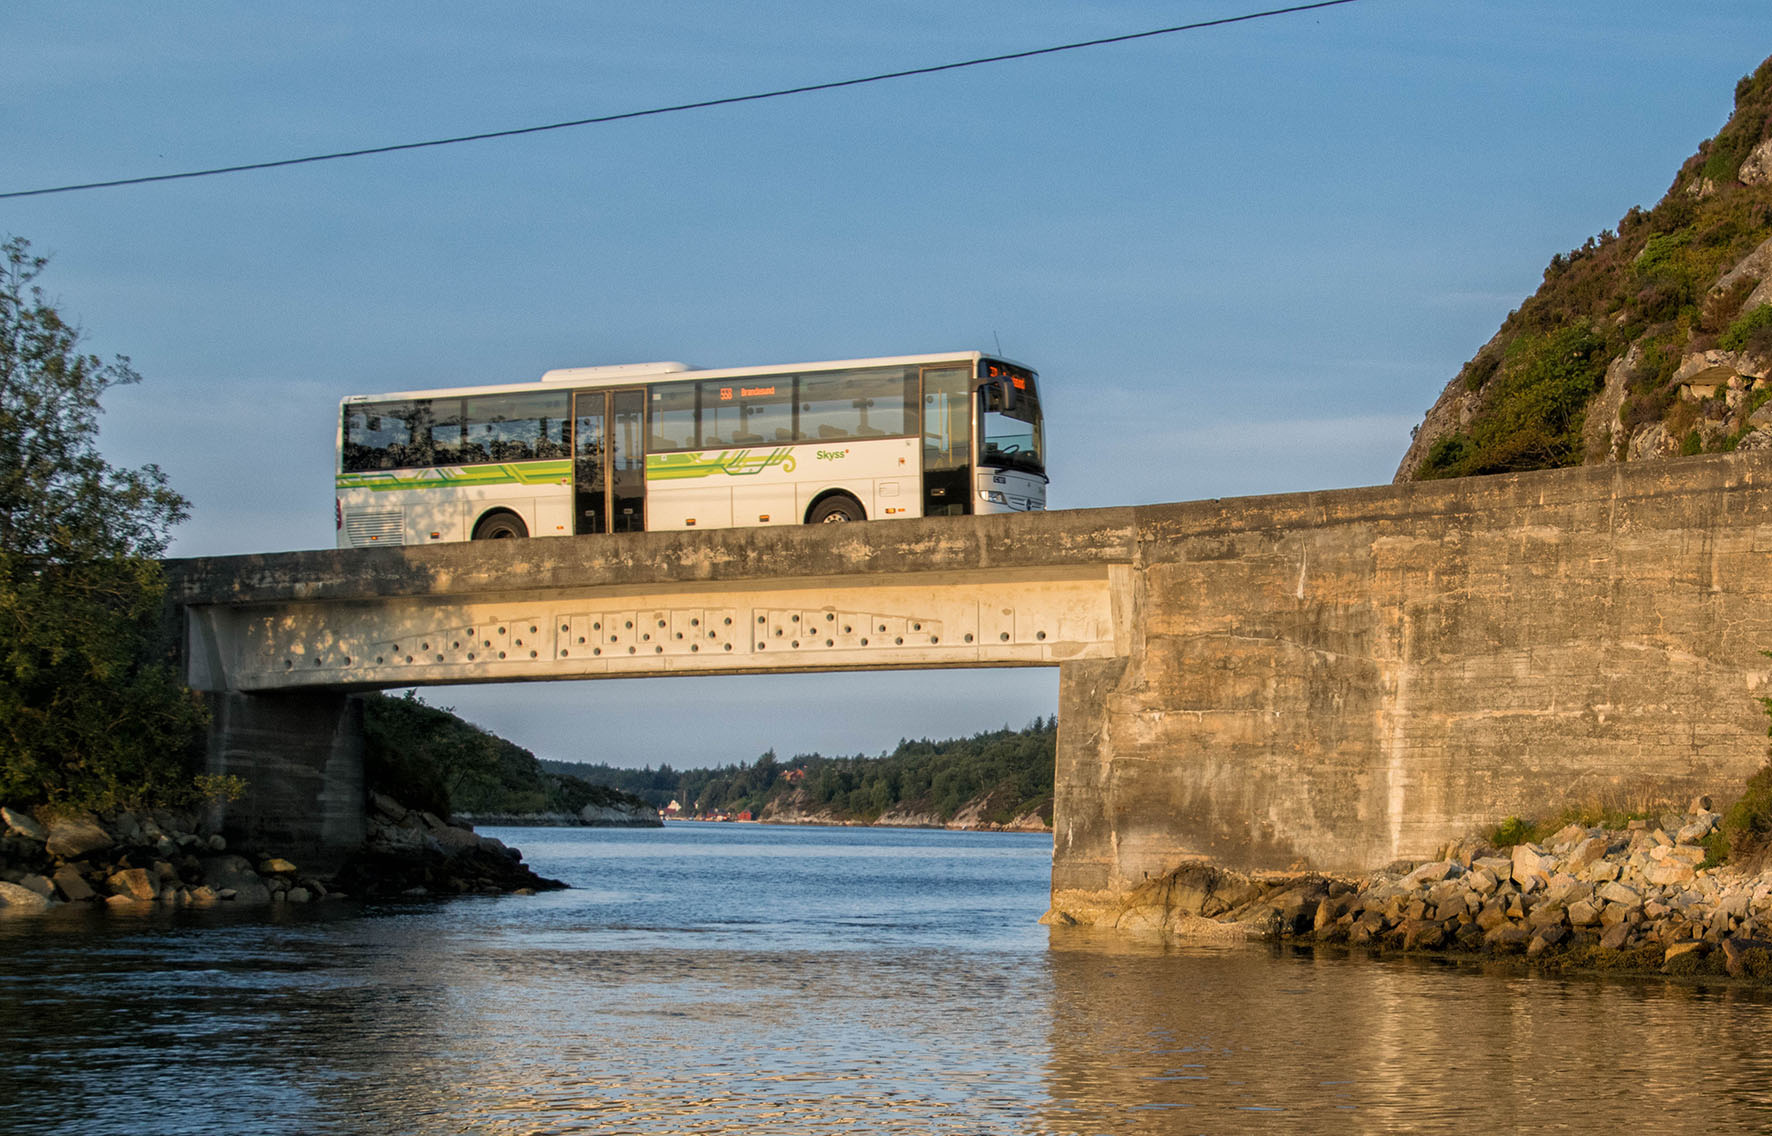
(427, 758)
(995, 776)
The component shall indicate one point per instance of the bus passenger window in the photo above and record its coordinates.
(854, 404)
(385, 435)
(516, 427)
(448, 447)
(740, 412)
(671, 421)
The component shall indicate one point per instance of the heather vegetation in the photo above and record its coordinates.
(1003, 773)
(1649, 298)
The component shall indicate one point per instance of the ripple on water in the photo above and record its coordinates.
(748, 981)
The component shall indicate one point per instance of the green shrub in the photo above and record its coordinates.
(1752, 331)
(1512, 831)
(1747, 824)
(1691, 444)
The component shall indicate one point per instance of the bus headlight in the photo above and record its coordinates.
(995, 498)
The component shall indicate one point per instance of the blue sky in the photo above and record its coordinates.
(1244, 259)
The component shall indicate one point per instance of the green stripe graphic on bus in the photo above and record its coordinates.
(730, 463)
(458, 477)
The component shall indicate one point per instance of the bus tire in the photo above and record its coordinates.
(835, 509)
(500, 525)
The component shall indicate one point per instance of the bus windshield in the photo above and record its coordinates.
(1012, 438)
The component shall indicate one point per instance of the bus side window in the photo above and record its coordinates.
(448, 443)
(671, 417)
(737, 412)
(516, 427)
(386, 435)
(854, 404)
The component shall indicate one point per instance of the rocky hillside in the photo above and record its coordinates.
(1649, 342)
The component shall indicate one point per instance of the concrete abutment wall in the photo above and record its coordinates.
(1339, 680)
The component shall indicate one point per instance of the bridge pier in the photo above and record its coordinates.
(301, 756)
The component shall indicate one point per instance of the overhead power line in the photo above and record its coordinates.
(673, 109)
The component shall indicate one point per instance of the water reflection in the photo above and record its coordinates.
(787, 982)
(1293, 1041)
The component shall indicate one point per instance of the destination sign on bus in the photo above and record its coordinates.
(1017, 376)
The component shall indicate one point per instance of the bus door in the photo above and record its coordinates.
(947, 440)
(609, 461)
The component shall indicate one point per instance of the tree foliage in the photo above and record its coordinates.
(91, 711)
(1011, 771)
(426, 757)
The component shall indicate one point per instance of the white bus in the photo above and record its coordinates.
(662, 446)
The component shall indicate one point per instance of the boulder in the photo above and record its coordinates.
(1430, 873)
(1684, 947)
(1622, 894)
(1587, 852)
(72, 884)
(72, 837)
(1616, 936)
(1530, 861)
(129, 828)
(455, 841)
(15, 900)
(234, 873)
(387, 806)
(1666, 873)
(1425, 934)
(1506, 935)
(1546, 915)
(20, 823)
(1700, 828)
(1585, 912)
(134, 883)
(1498, 866)
(1567, 837)
(1747, 958)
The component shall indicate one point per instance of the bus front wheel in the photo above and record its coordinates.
(500, 526)
(835, 509)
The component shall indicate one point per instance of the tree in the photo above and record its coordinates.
(91, 711)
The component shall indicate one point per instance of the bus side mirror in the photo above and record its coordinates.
(999, 396)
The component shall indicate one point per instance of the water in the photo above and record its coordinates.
(726, 978)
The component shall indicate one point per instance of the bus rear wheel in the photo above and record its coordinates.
(835, 509)
(500, 526)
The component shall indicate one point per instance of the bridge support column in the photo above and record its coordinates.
(1082, 806)
(301, 756)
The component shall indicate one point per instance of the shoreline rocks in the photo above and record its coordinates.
(130, 860)
(591, 816)
(1640, 899)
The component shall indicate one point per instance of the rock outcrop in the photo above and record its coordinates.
(1640, 898)
(622, 815)
(1651, 342)
(129, 859)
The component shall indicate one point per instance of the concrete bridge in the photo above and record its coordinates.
(1335, 679)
